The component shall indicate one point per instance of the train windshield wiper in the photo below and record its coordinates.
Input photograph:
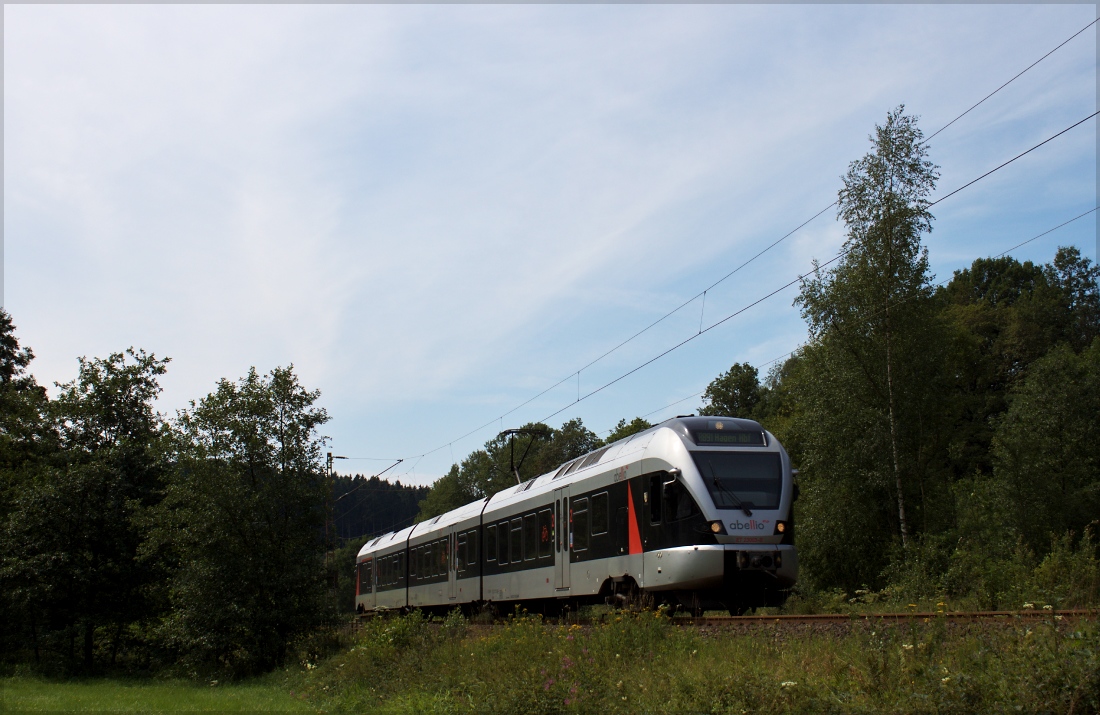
(736, 499)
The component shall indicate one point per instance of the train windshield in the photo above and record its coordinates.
(741, 479)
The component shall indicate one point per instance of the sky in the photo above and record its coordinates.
(436, 213)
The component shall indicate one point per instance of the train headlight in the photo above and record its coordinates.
(717, 528)
(780, 526)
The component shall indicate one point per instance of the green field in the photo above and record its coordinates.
(644, 663)
(25, 694)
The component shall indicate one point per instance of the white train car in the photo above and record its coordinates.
(695, 511)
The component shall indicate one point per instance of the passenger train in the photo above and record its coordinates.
(695, 512)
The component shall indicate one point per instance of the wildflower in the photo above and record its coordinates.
(788, 684)
(907, 646)
(619, 684)
(616, 655)
(912, 605)
(1048, 607)
(944, 680)
(1029, 605)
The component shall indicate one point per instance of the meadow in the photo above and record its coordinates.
(39, 695)
(639, 662)
(645, 663)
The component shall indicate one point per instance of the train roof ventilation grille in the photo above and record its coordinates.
(594, 457)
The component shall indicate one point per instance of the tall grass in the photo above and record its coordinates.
(644, 663)
(31, 694)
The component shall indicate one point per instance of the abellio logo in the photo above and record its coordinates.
(750, 525)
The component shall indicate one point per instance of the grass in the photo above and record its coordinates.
(28, 694)
(644, 664)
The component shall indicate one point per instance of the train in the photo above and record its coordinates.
(694, 513)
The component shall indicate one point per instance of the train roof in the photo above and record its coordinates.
(567, 473)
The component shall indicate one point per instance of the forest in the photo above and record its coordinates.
(946, 438)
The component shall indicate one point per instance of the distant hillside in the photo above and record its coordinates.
(368, 507)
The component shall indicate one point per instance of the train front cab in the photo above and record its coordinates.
(715, 519)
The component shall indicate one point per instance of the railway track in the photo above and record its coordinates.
(1005, 617)
(907, 616)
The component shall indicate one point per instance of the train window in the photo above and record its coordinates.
(530, 537)
(471, 547)
(517, 540)
(656, 486)
(461, 554)
(423, 553)
(445, 559)
(580, 524)
(412, 564)
(491, 543)
(545, 533)
(741, 480)
(557, 520)
(365, 577)
(502, 542)
(599, 516)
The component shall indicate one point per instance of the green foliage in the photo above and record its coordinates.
(1047, 445)
(488, 471)
(734, 393)
(624, 429)
(1069, 575)
(644, 664)
(26, 694)
(242, 517)
(367, 507)
(74, 534)
(875, 360)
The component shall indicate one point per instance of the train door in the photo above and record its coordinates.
(365, 585)
(452, 565)
(562, 539)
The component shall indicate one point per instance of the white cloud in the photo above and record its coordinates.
(446, 209)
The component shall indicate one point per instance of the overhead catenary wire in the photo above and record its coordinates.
(746, 263)
(817, 267)
(938, 284)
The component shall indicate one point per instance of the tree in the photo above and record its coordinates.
(625, 429)
(734, 393)
(1047, 446)
(243, 515)
(871, 310)
(24, 433)
(1079, 280)
(27, 441)
(75, 534)
(488, 471)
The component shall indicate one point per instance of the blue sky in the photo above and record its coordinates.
(437, 212)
